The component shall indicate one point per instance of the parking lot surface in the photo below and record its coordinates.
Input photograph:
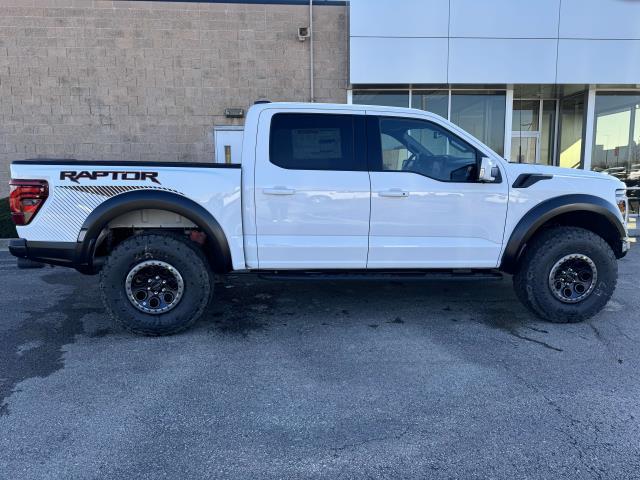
(348, 379)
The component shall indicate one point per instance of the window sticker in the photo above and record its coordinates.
(316, 143)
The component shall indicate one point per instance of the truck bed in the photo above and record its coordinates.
(77, 188)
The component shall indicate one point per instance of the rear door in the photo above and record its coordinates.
(427, 208)
(312, 190)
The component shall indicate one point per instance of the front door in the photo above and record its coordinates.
(427, 208)
(312, 190)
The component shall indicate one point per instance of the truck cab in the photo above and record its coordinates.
(356, 188)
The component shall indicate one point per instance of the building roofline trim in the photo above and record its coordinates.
(316, 3)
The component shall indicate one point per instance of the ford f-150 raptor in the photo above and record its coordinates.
(325, 190)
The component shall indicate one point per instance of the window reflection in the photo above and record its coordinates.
(386, 98)
(547, 135)
(571, 120)
(434, 101)
(525, 115)
(482, 114)
(616, 149)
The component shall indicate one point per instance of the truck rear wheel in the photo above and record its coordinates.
(567, 275)
(156, 284)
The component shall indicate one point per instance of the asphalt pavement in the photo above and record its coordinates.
(308, 379)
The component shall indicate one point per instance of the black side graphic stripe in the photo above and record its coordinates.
(112, 190)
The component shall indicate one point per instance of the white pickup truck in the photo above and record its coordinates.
(325, 190)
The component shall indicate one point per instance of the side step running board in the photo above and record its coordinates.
(405, 276)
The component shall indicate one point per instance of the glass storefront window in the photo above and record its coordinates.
(547, 135)
(387, 98)
(547, 126)
(481, 113)
(525, 115)
(434, 101)
(570, 138)
(616, 146)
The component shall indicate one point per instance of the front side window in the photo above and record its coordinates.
(311, 141)
(425, 148)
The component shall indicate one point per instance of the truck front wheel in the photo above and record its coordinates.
(567, 275)
(155, 284)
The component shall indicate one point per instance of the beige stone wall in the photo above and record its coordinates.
(93, 79)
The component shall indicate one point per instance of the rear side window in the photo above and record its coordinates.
(314, 141)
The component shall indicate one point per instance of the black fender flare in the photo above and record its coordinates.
(157, 200)
(547, 210)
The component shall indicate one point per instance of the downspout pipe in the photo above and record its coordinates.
(311, 74)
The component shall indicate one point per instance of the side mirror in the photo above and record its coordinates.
(488, 170)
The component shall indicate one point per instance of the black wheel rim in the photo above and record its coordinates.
(154, 287)
(573, 278)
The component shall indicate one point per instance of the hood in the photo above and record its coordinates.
(567, 172)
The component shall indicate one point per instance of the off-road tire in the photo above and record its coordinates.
(520, 289)
(531, 281)
(179, 252)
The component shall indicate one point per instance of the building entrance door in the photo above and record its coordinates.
(525, 147)
(228, 144)
(525, 139)
(533, 131)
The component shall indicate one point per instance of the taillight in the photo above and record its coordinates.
(26, 198)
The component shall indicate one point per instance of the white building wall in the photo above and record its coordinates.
(389, 66)
(600, 19)
(403, 18)
(495, 41)
(503, 18)
(598, 61)
(501, 60)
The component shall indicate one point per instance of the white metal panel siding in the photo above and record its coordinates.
(483, 60)
(599, 61)
(600, 19)
(398, 60)
(399, 18)
(504, 18)
(495, 41)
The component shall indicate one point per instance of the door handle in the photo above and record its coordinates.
(394, 192)
(278, 191)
